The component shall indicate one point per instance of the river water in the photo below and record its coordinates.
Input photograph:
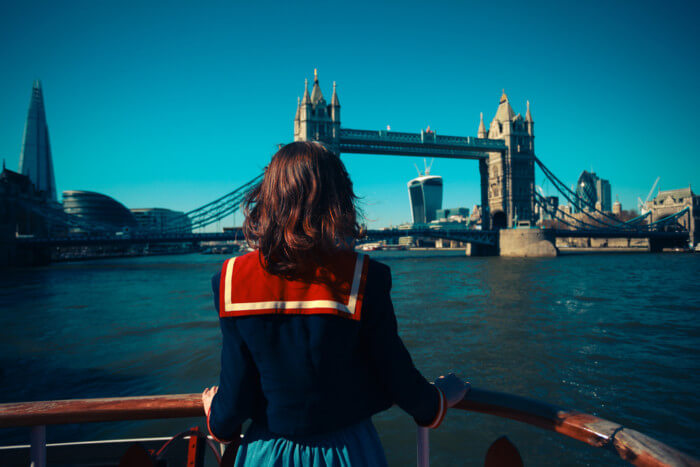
(613, 335)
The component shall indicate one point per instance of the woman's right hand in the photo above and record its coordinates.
(453, 388)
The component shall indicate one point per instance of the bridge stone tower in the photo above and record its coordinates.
(315, 120)
(511, 175)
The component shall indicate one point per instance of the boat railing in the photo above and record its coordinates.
(628, 444)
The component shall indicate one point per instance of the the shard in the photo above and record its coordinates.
(35, 160)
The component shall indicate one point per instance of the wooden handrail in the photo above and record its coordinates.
(100, 410)
(630, 445)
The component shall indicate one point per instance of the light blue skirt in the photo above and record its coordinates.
(356, 445)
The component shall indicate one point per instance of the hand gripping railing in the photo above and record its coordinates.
(628, 444)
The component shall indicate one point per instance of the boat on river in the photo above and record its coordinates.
(628, 444)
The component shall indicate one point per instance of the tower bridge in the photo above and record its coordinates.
(505, 152)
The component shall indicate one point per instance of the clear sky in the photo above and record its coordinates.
(172, 104)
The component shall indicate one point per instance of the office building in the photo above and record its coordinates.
(604, 195)
(160, 220)
(425, 196)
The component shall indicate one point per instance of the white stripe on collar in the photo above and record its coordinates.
(294, 304)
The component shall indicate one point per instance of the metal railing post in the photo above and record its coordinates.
(423, 446)
(38, 446)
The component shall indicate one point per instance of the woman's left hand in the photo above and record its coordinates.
(453, 388)
(207, 397)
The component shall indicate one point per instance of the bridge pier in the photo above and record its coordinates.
(527, 243)
(657, 245)
(475, 249)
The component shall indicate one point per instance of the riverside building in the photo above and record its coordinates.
(161, 220)
(460, 214)
(98, 209)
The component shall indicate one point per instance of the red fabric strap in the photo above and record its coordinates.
(212, 433)
(442, 410)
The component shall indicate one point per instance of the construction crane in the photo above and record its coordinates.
(642, 205)
(427, 167)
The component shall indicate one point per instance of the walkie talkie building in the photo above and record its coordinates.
(425, 195)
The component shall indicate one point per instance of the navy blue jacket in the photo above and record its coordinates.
(309, 374)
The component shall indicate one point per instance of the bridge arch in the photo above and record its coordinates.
(499, 220)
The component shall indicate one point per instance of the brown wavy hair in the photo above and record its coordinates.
(303, 211)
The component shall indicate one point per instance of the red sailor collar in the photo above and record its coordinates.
(337, 288)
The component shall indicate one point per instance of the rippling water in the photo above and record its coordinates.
(613, 335)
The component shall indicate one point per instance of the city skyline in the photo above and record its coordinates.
(119, 127)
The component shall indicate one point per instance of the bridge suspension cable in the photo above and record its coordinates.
(557, 214)
(638, 219)
(213, 211)
(656, 225)
(573, 198)
(668, 219)
(577, 200)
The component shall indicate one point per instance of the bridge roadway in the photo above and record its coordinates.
(425, 144)
(602, 233)
(472, 236)
(480, 237)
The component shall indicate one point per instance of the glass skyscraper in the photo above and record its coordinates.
(590, 190)
(586, 192)
(35, 160)
(604, 194)
(425, 195)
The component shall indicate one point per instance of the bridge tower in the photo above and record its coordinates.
(511, 175)
(316, 120)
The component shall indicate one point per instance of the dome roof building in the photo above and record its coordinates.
(98, 209)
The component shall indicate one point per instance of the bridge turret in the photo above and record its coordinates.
(301, 130)
(335, 103)
(306, 99)
(297, 118)
(482, 128)
(335, 113)
(316, 94)
(317, 120)
(529, 121)
(504, 117)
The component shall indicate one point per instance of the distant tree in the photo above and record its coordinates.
(627, 215)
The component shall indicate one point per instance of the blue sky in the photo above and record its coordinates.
(168, 104)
